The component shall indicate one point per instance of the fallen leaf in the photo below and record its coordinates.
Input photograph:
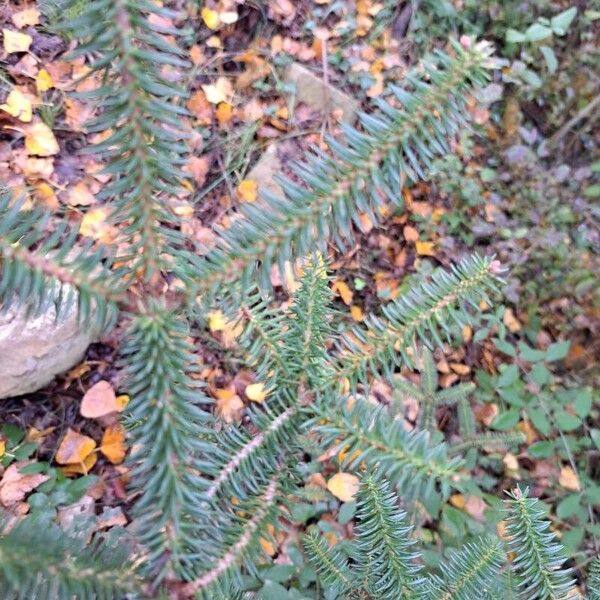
(410, 234)
(216, 320)
(424, 248)
(485, 413)
(247, 190)
(343, 486)
(218, 92)
(82, 468)
(43, 81)
(341, 287)
(357, 313)
(511, 321)
(458, 500)
(197, 167)
(228, 17)
(46, 195)
(95, 225)
(15, 41)
(460, 368)
(113, 444)
(40, 141)
(14, 485)
(2, 445)
(511, 463)
(568, 479)
(100, 400)
(229, 405)
(256, 392)
(18, 105)
(80, 195)
(26, 17)
(224, 113)
(74, 448)
(267, 546)
(210, 18)
(475, 506)
(200, 107)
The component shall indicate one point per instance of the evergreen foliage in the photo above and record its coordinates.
(207, 499)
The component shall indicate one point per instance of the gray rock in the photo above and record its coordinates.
(33, 350)
(313, 91)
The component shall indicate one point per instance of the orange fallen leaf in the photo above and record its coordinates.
(74, 448)
(14, 485)
(197, 167)
(113, 444)
(341, 287)
(458, 500)
(200, 107)
(410, 233)
(357, 313)
(100, 400)
(224, 113)
(80, 195)
(511, 321)
(229, 405)
(343, 486)
(247, 190)
(15, 41)
(568, 479)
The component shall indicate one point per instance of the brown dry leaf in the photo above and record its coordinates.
(113, 444)
(410, 233)
(19, 105)
(15, 41)
(100, 400)
(475, 506)
(26, 17)
(256, 392)
(74, 448)
(424, 248)
(377, 88)
(511, 321)
(460, 368)
(14, 485)
(197, 167)
(569, 480)
(527, 428)
(341, 287)
(199, 106)
(343, 486)
(220, 91)
(485, 413)
(229, 405)
(247, 190)
(80, 195)
(40, 141)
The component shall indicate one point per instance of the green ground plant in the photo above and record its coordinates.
(206, 495)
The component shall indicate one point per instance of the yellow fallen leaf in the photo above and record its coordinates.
(80, 195)
(247, 190)
(43, 81)
(256, 392)
(113, 444)
(74, 448)
(81, 468)
(424, 248)
(100, 400)
(341, 287)
(40, 140)
(458, 500)
(568, 479)
(343, 486)
(210, 17)
(218, 92)
(511, 463)
(267, 546)
(357, 313)
(216, 320)
(2, 446)
(26, 17)
(94, 223)
(15, 41)
(46, 195)
(18, 105)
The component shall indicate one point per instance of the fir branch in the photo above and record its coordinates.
(40, 269)
(366, 170)
(469, 573)
(39, 560)
(538, 556)
(144, 151)
(383, 537)
(367, 434)
(422, 313)
(488, 441)
(594, 580)
(168, 425)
